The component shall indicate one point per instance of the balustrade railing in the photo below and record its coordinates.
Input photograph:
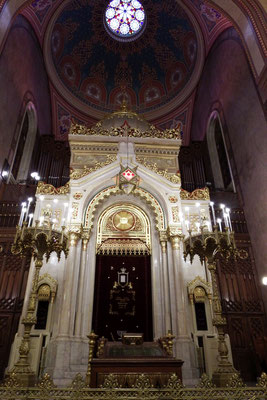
(175, 390)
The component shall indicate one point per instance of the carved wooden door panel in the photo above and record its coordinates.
(243, 307)
(122, 300)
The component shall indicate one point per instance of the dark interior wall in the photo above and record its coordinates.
(228, 86)
(22, 78)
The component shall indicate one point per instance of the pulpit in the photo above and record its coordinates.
(131, 357)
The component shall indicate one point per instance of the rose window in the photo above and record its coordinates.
(125, 19)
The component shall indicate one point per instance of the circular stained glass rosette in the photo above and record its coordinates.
(125, 18)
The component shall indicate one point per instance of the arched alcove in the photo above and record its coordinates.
(122, 290)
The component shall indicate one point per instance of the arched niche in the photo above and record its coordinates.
(150, 212)
(123, 228)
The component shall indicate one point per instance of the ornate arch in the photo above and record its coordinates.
(199, 282)
(113, 191)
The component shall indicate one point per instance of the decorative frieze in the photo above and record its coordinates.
(197, 194)
(45, 188)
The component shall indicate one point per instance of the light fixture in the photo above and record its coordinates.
(264, 280)
(35, 176)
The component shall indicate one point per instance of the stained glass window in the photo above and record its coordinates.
(125, 18)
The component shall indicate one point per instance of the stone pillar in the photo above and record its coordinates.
(184, 346)
(165, 279)
(175, 236)
(81, 286)
(67, 300)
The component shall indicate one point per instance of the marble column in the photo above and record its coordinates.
(175, 236)
(69, 278)
(81, 287)
(184, 346)
(165, 280)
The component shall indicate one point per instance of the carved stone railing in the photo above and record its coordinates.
(142, 389)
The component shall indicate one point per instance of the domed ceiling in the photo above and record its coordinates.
(153, 73)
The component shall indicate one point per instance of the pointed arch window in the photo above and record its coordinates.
(219, 158)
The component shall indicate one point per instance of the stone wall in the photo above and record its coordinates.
(227, 85)
(22, 79)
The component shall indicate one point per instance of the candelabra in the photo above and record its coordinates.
(207, 245)
(38, 241)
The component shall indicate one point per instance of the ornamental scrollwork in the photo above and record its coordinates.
(197, 194)
(46, 188)
(174, 178)
(46, 382)
(80, 173)
(151, 132)
(205, 382)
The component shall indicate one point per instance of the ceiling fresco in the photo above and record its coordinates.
(100, 71)
(91, 73)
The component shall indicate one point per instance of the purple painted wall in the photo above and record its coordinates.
(228, 86)
(22, 78)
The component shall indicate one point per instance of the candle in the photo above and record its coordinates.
(198, 226)
(225, 220)
(30, 220)
(23, 210)
(222, 207)
(213, 212)
(220, 223)
(229, 218)
(28, 208)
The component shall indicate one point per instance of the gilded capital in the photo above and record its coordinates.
(175, 242)
(163, 237)
(175, 236)
(85, 240)
(74, 237)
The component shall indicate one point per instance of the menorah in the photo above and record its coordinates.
(38, 242)
(208, 245)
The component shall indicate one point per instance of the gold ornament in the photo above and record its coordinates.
(197, 194)
(173, 178)
(45, 188)
(80, 173)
